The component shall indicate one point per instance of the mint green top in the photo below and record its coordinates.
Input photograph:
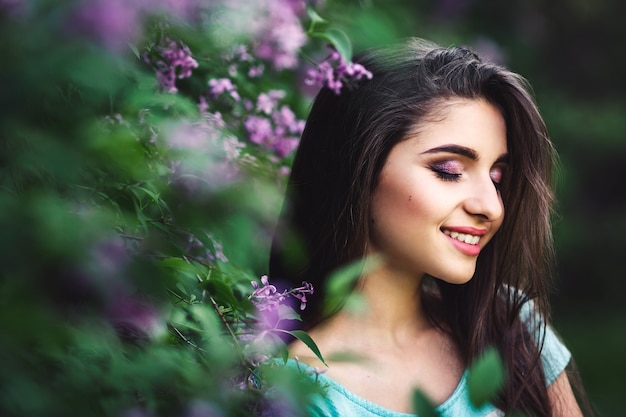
(339, 402)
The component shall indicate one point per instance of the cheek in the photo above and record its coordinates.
(393, 199)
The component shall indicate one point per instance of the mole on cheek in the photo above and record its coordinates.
(410, 197)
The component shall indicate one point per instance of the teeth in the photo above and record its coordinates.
(463, 237)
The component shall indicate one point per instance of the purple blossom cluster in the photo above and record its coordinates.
(172, 61)
(273, 27)
(219, 86)
(281, 35)
(274, 127)
(266, 122)
(116, 23)
(266, 297)
(273, 314)
(336, 73)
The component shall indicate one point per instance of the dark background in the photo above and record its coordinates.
(573, 54)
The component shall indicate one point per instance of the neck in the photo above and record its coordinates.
(393, 313)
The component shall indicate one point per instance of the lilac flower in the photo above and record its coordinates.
(279, 134)
(191, 136)
(267, 102)
(264, 104)
(216, 120)
(301, 292)
(297, 6)
(284, 171)
(335, 73)
(174, 62)
(285, 146)
(259, 129)
(280, 36)
(232, 146)
(256, 71)
(203, 105)
(265, 297)
(219, 86)
(288, 130)
(240, 53)
(285, 119)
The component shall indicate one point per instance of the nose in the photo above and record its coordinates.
(484, 200)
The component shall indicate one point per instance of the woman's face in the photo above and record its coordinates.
(437, 202)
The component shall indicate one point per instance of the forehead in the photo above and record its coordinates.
(476, 124)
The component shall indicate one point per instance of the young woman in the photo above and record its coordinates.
(440, 165)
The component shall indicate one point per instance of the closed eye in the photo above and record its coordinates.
(496, 174)
(447, 170)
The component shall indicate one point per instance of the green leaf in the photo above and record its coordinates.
(486, 377)
(182, 267)
(315, 18)
(422, 406)
(342, 281)
(155, 198)
(135, 51)
(338, 39)
(306, 339)
(222, 292)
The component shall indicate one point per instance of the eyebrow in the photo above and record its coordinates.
(463, 151)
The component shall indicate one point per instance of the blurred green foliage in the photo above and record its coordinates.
(116, 297)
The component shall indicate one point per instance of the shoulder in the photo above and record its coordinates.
(554, 354)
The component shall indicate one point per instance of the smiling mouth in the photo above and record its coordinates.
(463, 237)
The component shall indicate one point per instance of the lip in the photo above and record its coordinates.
(465, 229)
(465, 248)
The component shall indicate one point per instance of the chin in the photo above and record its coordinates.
(455, 279)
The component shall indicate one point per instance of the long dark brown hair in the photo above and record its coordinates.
(344, 146)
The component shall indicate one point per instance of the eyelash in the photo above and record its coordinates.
(449, 176)
(444, 175)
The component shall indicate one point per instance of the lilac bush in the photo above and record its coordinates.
(147, 144)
